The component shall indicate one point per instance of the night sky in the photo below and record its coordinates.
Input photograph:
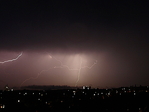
(101, 43)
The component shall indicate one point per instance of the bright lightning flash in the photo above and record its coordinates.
(63, 66)
(81, 67)
(11, 59)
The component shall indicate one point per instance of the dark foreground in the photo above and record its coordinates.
(132, 99)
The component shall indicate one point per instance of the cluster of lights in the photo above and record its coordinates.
(25, 94)
(123, 89)
(86, 87)
(40, 94)
(95, 93)
(2, 106)
(84, 91)
(138, 109)
(74, 92)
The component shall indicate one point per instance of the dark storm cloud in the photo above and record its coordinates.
(113, 32)
(78, 25)
(119, 27)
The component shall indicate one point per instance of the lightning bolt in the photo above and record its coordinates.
(79, 71)
(12, 59)
(62, 66)
(55, 67)
(34, 77)
(80, 68)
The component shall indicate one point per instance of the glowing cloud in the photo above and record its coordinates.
(73, 60)
(79, 70)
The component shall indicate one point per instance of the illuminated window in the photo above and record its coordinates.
(83, 87)
(2, 106)
(25, 94)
